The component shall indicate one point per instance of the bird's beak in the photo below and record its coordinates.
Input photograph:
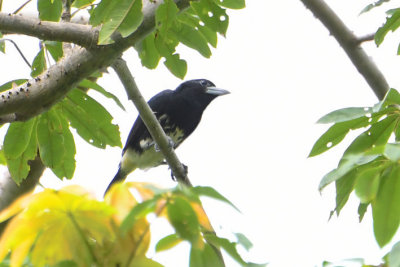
(216, 91)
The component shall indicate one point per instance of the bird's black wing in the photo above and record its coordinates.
(158, 103)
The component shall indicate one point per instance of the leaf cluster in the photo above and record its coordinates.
(49, 135)
(196, 27)
(70, 228)
(370, 165)
(391, 24)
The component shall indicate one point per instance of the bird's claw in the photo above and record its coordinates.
(186, 170)
(170, 144)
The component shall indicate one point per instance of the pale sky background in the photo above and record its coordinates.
(284, 72)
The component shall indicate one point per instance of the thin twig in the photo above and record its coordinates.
(19, 51)
(350, 45)
(366, 38)
(21, 7)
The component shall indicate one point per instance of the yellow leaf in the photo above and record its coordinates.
(64, 224)
(146, 190)
(121, 199)
(18, 205)
(17, 233)
(202, 216)
(20, 252)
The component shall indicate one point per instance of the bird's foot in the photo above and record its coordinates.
(170, 144)
(186, 170)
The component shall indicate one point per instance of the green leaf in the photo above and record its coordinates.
(367, 184)
(213, 16)
(148, 52)
(82, 3)
(122, 15)
(145, 262)
(168, 242)
(204, 257)
(233, 4)
(2, 44)
(10, 84)
(3, 160)
(67, 167)
(375, 137)
(392, 97)
(392, 152)
(394, 255)
(55, 48)
(176, 66)
(66, 263)
(90, 119)
(386, 207)
(92, 85)
(138, 212)
(346, 165)
(18, 167)
(132, 20)
(211, 192)
(193, 21)
(345, 114)
(50, 9)
(344, 186)
(228, 246)
(17, 138)
(102, 12)
(39, 63)
(362, 209)
(335, 134)
(166, 16)
(391, 24)
(193, 39)
(183, 218)
(244, 241)
(373, 5)
(50, 138)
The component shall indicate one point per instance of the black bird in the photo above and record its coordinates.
(179, 112)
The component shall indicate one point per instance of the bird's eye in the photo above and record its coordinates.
(203, 83)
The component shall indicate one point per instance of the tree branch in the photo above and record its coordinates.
(351, 45)
(39, 94)
(83, 35)
(150, 121)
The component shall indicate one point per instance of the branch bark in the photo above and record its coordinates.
(351, 45)
(83, 35)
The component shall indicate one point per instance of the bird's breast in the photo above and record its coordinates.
(149, 154)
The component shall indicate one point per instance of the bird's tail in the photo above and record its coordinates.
(119, 177)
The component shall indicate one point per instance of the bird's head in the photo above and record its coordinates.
(200, 90)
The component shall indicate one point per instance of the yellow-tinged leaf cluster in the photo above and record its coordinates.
(70, 224)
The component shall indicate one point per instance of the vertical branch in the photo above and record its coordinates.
(351, 45)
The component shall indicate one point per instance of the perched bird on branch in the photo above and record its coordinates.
(179, 112)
